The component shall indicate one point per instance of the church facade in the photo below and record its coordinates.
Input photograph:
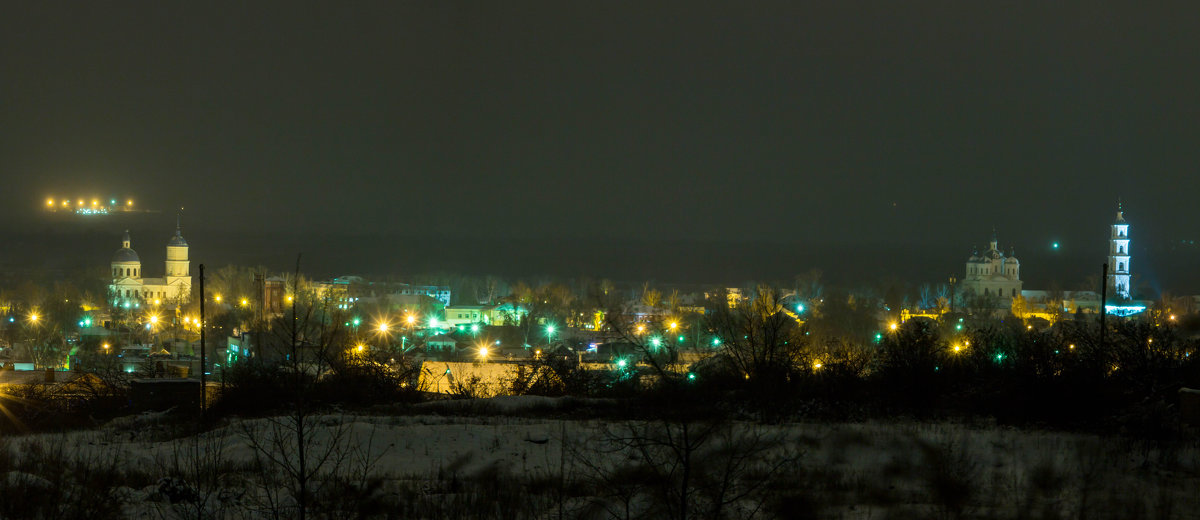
(993, 273)
(129, 284)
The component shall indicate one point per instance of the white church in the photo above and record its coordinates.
(993, 273)
(130, 286)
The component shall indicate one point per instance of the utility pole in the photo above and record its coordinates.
(203, 345)
(1103, 301)
(952, 281)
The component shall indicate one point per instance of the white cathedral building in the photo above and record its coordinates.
(993, 273)
(129, 285)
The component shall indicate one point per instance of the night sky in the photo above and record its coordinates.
(644, 139)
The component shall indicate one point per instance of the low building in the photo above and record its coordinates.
(441, 343)
(465, 315)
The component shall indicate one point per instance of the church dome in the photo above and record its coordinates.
(177, 241)
(125, 255)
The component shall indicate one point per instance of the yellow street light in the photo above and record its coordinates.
(410, 319)
(383, 326)
(33, 317)
(641, 329)
(217, 298)
(674, 325)
(360, 347)
(483, 352)
(49, 202)
(893, 325)
(245, 302)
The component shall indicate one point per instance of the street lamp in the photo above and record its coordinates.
(550, 333)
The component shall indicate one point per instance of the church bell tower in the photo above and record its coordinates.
(1118, 256)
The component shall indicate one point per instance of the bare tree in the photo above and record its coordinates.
(762, 341)
(303, 342)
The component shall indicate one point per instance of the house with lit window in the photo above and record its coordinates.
(465, 315)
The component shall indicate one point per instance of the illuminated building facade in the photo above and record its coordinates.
(130, 286)
(993, 273)
(1118, 256)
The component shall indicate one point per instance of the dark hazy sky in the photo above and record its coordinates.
(890, 124)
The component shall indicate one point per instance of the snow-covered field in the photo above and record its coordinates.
(509, 465)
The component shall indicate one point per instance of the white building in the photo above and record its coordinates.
(992, 273)
(1118, 256)
(129, 285)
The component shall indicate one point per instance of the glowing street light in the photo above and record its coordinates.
(483, 352)
(641, 328)
(410, 320)
(33, 318)
(893, 326)
(245, 302)
(674, 325)
(217, 298)
(383, 326)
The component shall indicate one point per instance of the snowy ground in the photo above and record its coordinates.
(434, 465)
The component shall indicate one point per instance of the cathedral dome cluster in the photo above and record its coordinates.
(993, 273)
(129, 286)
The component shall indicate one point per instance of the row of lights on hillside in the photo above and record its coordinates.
(66, 203)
